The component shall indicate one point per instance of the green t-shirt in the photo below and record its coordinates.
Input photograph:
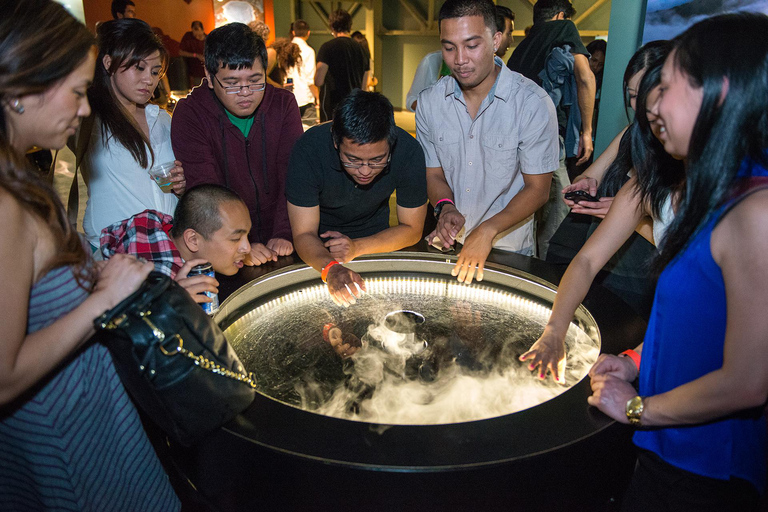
(243, 123)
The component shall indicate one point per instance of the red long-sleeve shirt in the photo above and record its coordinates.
(213, 150)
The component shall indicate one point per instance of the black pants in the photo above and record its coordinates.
(661, 487)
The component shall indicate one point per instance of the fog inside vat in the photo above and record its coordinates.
(410, 351)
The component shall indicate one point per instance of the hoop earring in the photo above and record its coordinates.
(16, 106)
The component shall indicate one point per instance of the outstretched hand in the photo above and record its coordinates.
(548, 355)
(344, 285)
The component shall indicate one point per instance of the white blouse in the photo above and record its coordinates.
(661, 224)
(118, 186)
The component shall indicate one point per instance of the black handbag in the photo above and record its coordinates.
(174, 361)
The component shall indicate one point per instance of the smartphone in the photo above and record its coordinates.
(581, 195)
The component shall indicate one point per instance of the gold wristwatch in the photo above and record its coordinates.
(635, 410)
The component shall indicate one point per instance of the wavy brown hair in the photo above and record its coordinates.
(40, 45)
(288, 55)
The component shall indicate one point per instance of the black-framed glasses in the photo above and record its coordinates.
(235, 89)
(372, 165)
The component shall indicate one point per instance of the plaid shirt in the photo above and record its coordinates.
(144, 235)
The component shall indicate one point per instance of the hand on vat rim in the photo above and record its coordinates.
(477, 246)
(259, 255)
(280, 246)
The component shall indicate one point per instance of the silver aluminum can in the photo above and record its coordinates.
(206, 269)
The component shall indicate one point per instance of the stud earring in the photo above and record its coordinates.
(16, 106)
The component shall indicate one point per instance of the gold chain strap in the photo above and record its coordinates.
(200, 361)
(207, 364)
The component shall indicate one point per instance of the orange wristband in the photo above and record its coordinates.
(324, 272)
(634, 356)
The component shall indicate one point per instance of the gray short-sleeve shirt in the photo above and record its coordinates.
(513, 133)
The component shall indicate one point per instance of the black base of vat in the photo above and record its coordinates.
(233, 475)
(240, 468)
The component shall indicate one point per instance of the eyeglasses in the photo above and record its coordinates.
(374, 166)
(235, 89)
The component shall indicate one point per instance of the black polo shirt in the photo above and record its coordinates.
(317, 178)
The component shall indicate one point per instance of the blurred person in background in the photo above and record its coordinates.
(342, 65)
(363, 42)
(303, 75)
(287, 57)
(192, 48)
(123, 9)
(505, 23)
(553, 56)
(596, 51)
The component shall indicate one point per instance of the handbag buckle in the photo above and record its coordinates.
(157, 333)
(114, 323)
(174, 350)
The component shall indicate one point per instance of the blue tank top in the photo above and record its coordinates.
(684, 341)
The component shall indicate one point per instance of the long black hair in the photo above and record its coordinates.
(727, 57)
(646, 56)
(127, 41)
(650, 55)
(658, 173)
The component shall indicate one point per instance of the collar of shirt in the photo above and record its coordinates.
(300, 42)
(501, 88)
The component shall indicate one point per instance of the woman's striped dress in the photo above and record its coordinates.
(75, 442)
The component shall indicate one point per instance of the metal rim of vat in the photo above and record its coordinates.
(557, 423)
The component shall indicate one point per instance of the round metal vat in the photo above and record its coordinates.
(559, 453)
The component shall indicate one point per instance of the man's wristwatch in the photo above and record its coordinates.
(439, 206)
(634, 411)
